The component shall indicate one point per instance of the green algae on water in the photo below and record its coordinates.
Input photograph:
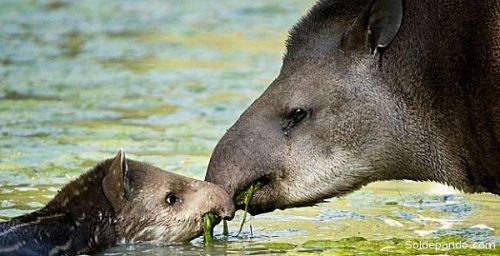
(450, 245)
(279, 246)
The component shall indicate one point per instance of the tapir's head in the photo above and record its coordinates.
(157, 206)
(326, 125)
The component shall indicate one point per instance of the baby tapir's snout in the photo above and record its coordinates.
(217, 200)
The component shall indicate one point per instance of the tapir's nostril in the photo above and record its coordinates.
(227, 212)
(223, 204)
(228, 215)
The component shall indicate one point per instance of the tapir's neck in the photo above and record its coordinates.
(444, 68)
(79, 220)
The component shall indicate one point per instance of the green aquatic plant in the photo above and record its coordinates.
(209, 221)
(225, 230)
(244, 198)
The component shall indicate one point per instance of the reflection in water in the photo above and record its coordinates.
(164, 80)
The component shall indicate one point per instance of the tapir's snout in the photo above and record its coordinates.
(220, 202)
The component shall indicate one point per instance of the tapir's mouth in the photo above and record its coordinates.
(259, 185)
(267, 198)
(215, 219)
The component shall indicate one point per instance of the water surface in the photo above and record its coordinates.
(164, 80)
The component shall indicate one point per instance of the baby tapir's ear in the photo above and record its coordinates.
(116, 184)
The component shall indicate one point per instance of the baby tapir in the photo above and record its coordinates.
(119, 201)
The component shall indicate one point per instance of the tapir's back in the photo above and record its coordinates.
(40, 235)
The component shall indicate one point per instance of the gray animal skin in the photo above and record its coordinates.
(373, 90)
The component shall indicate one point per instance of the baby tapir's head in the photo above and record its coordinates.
(154, 205)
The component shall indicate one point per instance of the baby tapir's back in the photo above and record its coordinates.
(40, 235)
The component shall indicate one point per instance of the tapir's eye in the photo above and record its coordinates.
(171, 199)
(293, 118)
(298, 114)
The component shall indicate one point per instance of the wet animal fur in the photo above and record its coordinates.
(118, 201)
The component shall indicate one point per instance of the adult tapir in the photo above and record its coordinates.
(373, 90)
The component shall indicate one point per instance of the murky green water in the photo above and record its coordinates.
(163, 80)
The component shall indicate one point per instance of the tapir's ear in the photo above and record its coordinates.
(115, 184)
(376, 27)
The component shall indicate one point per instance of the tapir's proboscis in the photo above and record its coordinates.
(372, 90)
(119, 201)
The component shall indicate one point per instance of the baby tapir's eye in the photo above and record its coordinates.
(171, 199)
